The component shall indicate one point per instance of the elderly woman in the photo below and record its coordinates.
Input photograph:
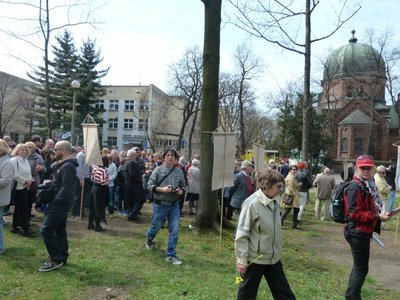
(382, 186)
(194, 185)
(38, 169)
(258, 242)
(23, 177)
(6, 177)
(292, 190)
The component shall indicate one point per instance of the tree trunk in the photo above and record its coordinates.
(207, 214)
(307, 105)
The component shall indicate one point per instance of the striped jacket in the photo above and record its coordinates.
(100, 176)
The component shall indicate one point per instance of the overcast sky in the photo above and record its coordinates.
(140, 38)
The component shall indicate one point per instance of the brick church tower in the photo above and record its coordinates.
(354, 92)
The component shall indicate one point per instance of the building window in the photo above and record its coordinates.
(144, 105)
(99, 104)
(113, 123)
(142, 124)
(114, 104)
(129, 104)
(344, 145)
(358, 145)
(128, 123)
(112, 141)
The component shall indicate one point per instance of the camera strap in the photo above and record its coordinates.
(158, 183)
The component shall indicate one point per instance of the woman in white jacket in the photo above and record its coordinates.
(6, 177)
(23, 177)
(258, 242)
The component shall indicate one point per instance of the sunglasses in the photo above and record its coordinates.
(294, 169)
(366, 168)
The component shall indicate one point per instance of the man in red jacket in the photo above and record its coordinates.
(362, 218)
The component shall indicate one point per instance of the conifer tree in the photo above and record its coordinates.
(90, 80)
(64, 66)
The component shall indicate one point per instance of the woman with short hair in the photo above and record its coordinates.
(258, 241)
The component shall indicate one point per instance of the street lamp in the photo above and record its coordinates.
(75, 84)
(144, 114)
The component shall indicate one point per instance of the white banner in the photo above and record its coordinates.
(224, 158)
(91, 143)
(398, 169)
(259, 157)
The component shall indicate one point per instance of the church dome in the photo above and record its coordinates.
(354, 59)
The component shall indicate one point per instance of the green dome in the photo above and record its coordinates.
(354, 59)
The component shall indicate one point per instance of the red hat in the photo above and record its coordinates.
(365, 161)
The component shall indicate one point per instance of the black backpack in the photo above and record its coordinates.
(337, 209)
(337, 206)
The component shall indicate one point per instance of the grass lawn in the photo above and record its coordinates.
(116, 265)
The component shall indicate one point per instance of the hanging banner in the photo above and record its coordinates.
(224, 157)
(259, 157)
(397, 182)
(91, 143)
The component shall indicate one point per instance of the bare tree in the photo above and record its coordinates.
(207, 213)
(186, 78)
(76, 13)
(248, 66)
(272, 20)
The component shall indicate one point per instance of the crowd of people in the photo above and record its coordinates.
(125, 180)
(34, 171)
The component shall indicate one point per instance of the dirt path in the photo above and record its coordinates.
(384, 261)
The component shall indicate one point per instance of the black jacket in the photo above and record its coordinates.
(64, 183)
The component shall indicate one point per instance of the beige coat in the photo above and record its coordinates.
(292, 188)
(259, 233)
(382, 186)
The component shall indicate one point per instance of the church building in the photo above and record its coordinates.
(354, 92)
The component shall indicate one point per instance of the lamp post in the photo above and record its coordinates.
(75, 84)
(144, 114)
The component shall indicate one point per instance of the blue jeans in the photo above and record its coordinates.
(54, 233)
(160, 213)
(392, 194)
(1, 230)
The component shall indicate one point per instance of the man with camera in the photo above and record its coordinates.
(54, 231)
(167, 183)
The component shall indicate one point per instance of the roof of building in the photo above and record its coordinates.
(354, 59)
(357, 117)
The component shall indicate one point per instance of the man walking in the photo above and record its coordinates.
(53, 231)
(167, 183)
(242, 186)
(324, 184)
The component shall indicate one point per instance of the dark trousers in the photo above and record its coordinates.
(134, 198)
(54, 233)
(295, 214)
(31, 197)
(97, 204)
(76, 208)
(22, 212)
(275, 277)
(360, 248)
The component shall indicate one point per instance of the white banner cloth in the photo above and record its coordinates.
(91, 143)
(259, 157)
(224, 157)
(398, 169)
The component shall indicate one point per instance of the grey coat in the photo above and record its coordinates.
(6, 178)
(239, 191)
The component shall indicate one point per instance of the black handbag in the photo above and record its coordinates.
(45, 193)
